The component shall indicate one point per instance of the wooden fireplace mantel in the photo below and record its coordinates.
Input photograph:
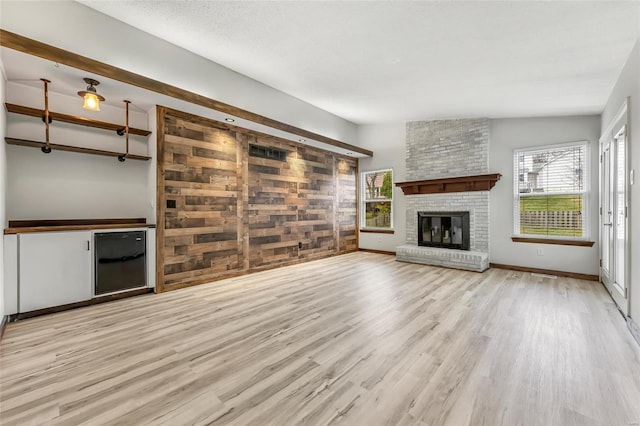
(452, 184)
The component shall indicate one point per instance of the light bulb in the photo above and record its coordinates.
(91, 102)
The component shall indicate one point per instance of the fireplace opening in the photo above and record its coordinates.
(444, 229)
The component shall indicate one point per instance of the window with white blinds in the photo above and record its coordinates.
(551, 191)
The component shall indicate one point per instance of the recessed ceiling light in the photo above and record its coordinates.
(229, 120)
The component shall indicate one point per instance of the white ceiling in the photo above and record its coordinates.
(393, 61)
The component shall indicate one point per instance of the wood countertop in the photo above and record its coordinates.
(29, 226)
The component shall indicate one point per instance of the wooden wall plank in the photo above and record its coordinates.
(233, 213)
(195, 157)
(161, 198)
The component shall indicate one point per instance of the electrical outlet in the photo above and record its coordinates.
(540, 252)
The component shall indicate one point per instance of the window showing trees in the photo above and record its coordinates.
(550, 191)
(377, 199)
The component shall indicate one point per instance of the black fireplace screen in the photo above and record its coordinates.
(444, 229)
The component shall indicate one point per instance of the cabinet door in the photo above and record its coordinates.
(55, 269)
(10, 274)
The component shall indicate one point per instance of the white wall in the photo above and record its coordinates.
(3, 180)
(387, 142)
(509, 134)
(59, 23)
(65, 185)
(628, 85)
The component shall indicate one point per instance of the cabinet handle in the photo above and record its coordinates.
(88, 245)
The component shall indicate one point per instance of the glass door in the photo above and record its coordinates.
(606, 218)
(619, 231)
(613, 219)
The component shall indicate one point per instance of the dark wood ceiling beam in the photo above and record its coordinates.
(55, 54)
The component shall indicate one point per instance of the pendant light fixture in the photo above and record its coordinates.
(91, 97)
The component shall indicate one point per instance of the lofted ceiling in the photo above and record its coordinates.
(391, 61)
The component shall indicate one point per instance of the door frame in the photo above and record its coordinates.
(620, 121)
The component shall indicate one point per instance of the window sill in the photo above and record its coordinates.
(377, 231)
(580, 243)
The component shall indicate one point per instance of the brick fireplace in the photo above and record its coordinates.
(436, 152)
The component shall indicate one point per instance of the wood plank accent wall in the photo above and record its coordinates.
(222, 212)
(347, 204)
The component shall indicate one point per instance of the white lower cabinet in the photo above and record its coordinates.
(54, 269)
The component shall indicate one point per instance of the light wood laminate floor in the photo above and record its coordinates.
(358, 339)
